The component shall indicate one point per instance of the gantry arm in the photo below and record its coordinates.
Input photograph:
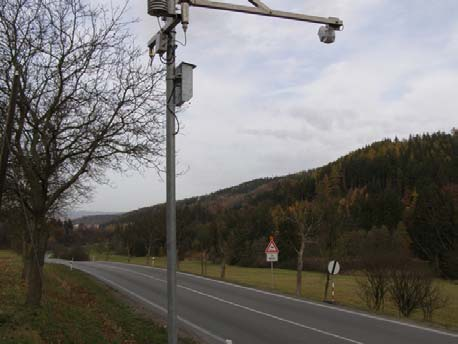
(263, 10)
(260, 4)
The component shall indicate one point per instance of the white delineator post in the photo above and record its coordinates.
(333, 291)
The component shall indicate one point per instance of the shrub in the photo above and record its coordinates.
(432, 300)
(407, 288)
(374, 284)
(380, 253)
(77, 253)
(449, 264)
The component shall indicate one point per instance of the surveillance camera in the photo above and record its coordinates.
(327, 34)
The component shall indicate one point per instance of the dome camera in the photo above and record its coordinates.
(327, 34)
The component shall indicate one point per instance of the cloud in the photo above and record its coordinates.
(269, 99)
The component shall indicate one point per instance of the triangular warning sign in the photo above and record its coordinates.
(271, 248)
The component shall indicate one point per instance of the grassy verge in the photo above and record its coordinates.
(75, 310)
(313, 287)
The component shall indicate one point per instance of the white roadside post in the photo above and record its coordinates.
(163, 43)
(333, 269)
(271, 252)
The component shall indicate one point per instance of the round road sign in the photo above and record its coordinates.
(333, 267)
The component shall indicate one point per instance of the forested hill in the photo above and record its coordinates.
(399, 185)
(96, 219)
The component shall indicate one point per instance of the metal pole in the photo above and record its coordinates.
(5, 149)
(272, 272)
(171, 191)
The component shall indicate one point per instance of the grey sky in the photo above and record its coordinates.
(270, 99)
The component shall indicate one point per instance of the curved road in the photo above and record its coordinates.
(216, 311)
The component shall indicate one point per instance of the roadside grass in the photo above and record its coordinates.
(346, 287)
(75, 309)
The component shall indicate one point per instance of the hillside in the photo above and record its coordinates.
(75, 214)
(96, 219)
(396, 185)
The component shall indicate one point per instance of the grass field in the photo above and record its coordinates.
(313, 287)
(75, 310)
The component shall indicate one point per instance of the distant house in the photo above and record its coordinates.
(455, 131)
(83, 226)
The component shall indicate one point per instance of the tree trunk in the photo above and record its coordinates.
(148, 255)
(202, 262)
(128, 253)
(25, 259)
(300, 267)
(436, 264)
(34, 260)
(223, 268)
(25, 267)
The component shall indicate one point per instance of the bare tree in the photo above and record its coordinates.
(224, 242)
(150, 229)
(203, 244)
(86, 104)
(297, 224)
(128, 234)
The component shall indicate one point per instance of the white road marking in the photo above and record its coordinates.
(162, 309)
(268, 315)
(343, 310)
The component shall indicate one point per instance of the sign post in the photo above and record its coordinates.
(272, 256)
(333, 269)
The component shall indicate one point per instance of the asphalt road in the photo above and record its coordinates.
(216, 311)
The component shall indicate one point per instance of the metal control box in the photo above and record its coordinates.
(183, 83)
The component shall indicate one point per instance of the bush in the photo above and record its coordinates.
(412, 288)
(77, 253)
(432, 300)
(408, 287)
(449, 264)
(374, 284)
(380, 253)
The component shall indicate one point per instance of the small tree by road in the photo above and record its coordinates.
(297, 224)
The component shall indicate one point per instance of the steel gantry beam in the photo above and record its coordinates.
(262, 9)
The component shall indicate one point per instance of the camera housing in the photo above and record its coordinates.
(158, 44)
(327, 34)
